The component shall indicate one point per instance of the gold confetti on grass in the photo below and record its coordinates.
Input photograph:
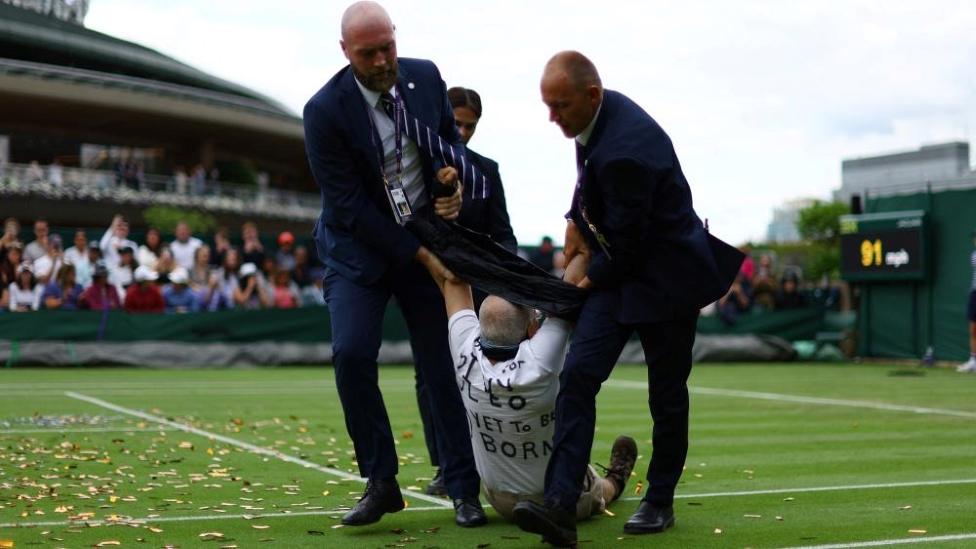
(917, 531)
(107, 543)
(608, 512)
(260, 526)
(905, 508)
(155, 530)
(211, 536)
(639, 488)
(752, 516)
(717, 531)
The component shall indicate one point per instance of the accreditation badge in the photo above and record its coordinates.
(399, 202)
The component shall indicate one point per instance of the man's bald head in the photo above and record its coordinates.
(572, 90)
(580, 71)
(369, 43)
(364, 15)
(503, 322)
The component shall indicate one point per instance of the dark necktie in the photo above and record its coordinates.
(578, 199)
(438, 149)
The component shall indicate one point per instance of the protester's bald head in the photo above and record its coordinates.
(576, 67)
(572, 90)
(369, 43)
(503, 322)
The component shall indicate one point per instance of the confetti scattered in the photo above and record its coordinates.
(717, 531)
(106, 543)
(209, 536)
(917, 531)
(260, 526)
(905, 508)
(752, 516)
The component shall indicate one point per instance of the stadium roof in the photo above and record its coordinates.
(36, 38)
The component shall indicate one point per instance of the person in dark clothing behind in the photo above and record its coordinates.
(543, 255)
(788, 296)
(489, 217)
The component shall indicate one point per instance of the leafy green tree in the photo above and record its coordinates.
(165, 219)
(819, 226)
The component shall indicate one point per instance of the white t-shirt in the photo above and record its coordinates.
(510, 404)
(183, 251)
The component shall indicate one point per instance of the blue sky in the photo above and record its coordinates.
(762, 99)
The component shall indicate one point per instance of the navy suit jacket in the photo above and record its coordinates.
(356, 234)
(660, 262)
(489, 216)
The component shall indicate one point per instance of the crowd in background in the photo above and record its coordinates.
(154, 276)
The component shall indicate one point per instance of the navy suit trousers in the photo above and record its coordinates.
(596, 345)
(357, 321)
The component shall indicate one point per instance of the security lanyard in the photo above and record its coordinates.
(395, 192)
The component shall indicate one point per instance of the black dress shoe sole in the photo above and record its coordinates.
(480, 521)
(436, 490)
(537, 523)
(638, 528)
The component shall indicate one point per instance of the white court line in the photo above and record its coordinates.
(887, 542)
(245, 445)
(69, 430)
(153, 520)
(821, 489)
(779, 397)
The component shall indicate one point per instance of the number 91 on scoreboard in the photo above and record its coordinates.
(883, 246)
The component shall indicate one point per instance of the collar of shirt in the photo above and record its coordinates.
(584, 137)
(372, 97)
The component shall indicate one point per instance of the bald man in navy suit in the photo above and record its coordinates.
(373, 177)
(653, 267)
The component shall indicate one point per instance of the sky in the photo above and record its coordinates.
(762, 99)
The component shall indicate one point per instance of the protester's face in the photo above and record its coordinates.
(467, 123)
(370, 47)
(570, 108)
(40, 229)
(81, 241)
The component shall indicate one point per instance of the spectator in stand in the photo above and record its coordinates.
(285, 258)
(748, 269)
(313, 294)
(220, 247)
(84, 271)
(178, 296)
(38, 247)
(301, 272)
(198, 180)
(252, 251)
(35, 174)
(738, 300)
(100, 295)
(63, 292)
(543, 256)
(227, 276)
(788, 296)
(285, 293)
(4, 300)
(165, 265)
(148, 254)
(55, 173)
(25, 293)
(121, 275)
(184, 246)
(970, 365)
(200, 270)
(46, 267)
(266, 272)
(179, 179)
(144, 296)
(250, 292)
(764, 286)
(77, 254)
(115, 238)
(12, 260)
(11, 233)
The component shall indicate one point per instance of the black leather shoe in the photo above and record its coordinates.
(556, 527)
(380, 497)
(623, 456)
(468, 513)
(649, 519)
(436, 486)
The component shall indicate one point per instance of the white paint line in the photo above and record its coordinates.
(821, 489)
(779, 397)
(154, 520)
(245, 445)
(70, 431)
(887, 542)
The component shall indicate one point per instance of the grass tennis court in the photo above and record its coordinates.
(781, 456)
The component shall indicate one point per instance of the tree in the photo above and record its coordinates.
(819, 226)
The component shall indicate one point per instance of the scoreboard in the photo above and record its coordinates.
(883, 246)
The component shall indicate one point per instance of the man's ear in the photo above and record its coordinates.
(595, 94)
(342, 44)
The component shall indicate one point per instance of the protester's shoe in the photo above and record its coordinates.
(436, 486)
(468, 513)
(381, 497)
(623, 457)
(649, 519)
(557, 527)
(968, 367)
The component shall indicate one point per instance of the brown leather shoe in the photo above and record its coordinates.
(623, 457)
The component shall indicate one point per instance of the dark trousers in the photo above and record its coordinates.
(357, 330)
(597, 343)
(430, 432)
